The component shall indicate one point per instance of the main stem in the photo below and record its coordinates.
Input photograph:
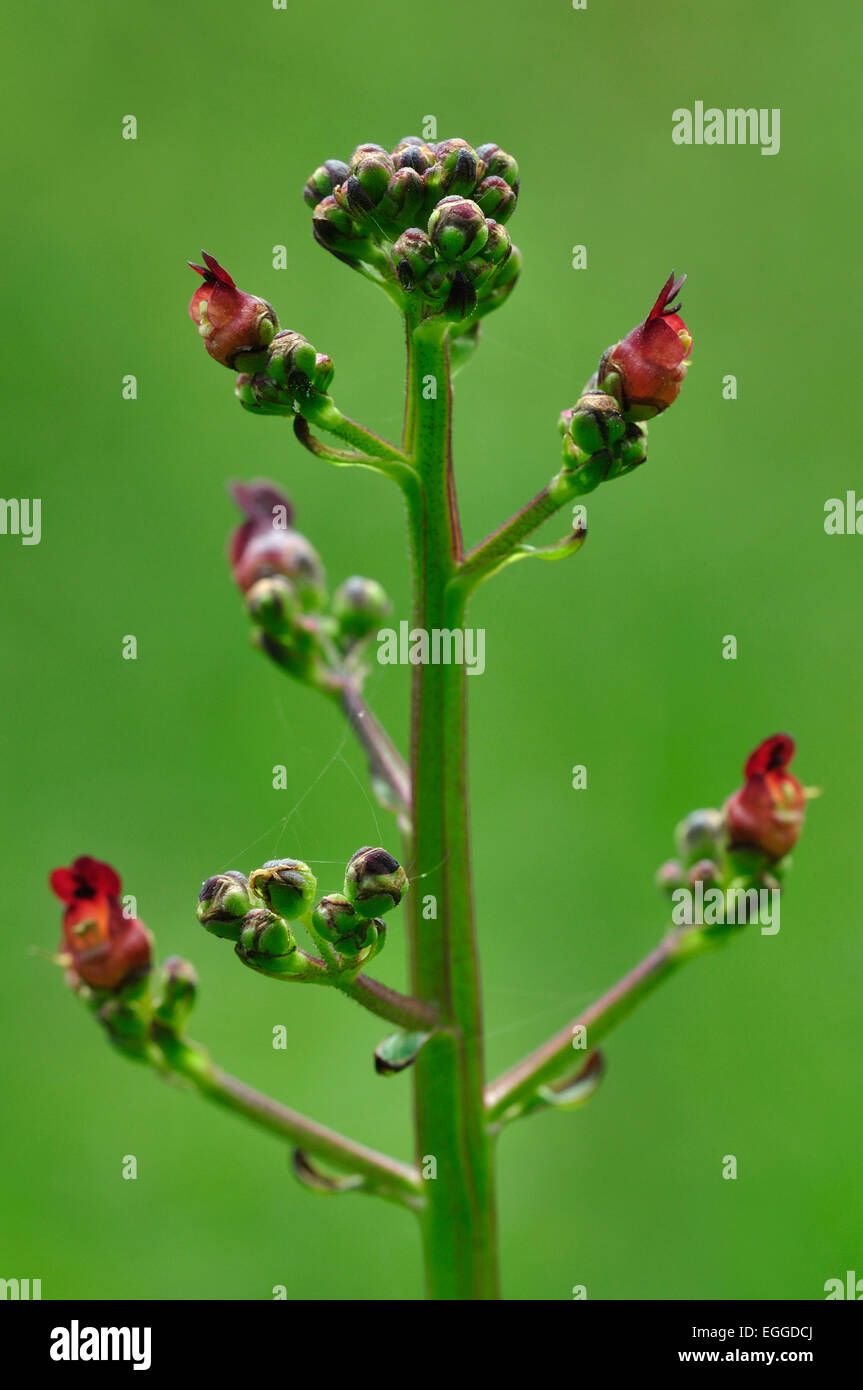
(459, 1224)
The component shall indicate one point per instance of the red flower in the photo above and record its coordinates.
(236, 327)
(266, 543)
(651, 361)
(107, 949)
(767, 813)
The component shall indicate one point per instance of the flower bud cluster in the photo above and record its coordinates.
(284, 584)
(429, 218)
(257, 912)
(747, 844)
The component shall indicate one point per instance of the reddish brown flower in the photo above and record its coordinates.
(106, 949)
(767, 812)
(651, 361)
(236, 327)
(266, 543)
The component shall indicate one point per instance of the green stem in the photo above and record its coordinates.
(459, 1218)
(386, 1176)
(494, 551)
(557, 1054)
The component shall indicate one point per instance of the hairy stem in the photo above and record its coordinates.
(385, 761)
(459, 1219)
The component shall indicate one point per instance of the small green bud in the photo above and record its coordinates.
(261, 394)
(633, 450)
(458, 229)
(293, 362)
(403, 197)
(223, 902)
(334, 918)
(369, 151)
(596, 422)
(267, 943)
(375, 882)
(458, 164)
(499, 245)
(178, 994)
(273, 604)
(496, 199)
(413, 153)
(287, 886)
(336, 921)
(329, 176)
(497, 163)
(699, 836)
(414, 255)
(360, 606)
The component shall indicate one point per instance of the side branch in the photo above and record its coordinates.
(504, 544)
(554, 1056)
(386, 1176)
(386, 764)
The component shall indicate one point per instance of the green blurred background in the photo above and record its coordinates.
(163, 765)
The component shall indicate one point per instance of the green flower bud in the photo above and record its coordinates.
(336, 921)
(438, 282)
(262, 395)
(414, 255)
(496, 199)
(403, 197)
(413, 153)
(699, 836)
(369, 151)
(324, 180)
(596, 422)
(360, 606)
(458, 164)
(633, 450)
(504, 282)
(338, 232)
(266, 943)
(458, 229)
(178, 994)
(498, 248)
(223, 902)
(287, 886)
(292, 358)
(370, 174)
(497, 163)
(273, 604)
(375, 882)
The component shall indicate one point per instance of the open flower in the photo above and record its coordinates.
(767, 813)
(266, 543)
(105, 948)
(237, 328)
(645, 370)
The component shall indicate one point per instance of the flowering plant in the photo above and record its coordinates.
(428, 224)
